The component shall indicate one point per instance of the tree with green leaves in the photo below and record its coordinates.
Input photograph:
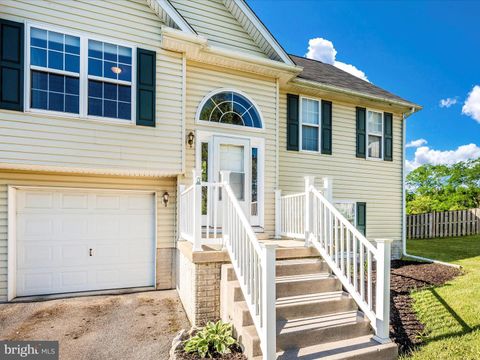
(444, 187)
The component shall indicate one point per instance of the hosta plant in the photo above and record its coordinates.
(212, 340)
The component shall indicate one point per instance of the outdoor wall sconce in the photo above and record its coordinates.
(165, 198)
(190, 139)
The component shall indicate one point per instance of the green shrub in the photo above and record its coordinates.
(214, 338)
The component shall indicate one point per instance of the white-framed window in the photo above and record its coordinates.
(374, 134)
(348, 209)
(79, 75)
(310, 124)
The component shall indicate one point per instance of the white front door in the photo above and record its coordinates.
(82, 240)
(233, 155)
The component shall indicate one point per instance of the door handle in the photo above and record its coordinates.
(90, 252)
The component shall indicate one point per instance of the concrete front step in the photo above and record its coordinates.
(360, 348)
(293, 307)
(306, 284)
(315, 330)
(315, 317)
(309, 331)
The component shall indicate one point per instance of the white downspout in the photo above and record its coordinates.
(404, 201)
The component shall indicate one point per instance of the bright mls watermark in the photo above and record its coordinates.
(30, 350)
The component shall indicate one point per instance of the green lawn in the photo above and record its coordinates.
(451, 313)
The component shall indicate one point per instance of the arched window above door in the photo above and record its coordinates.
(231, 108)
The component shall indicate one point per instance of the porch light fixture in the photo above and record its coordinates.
(165, 198)
(190, 139)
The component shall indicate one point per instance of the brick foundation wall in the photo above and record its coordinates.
(198, 285)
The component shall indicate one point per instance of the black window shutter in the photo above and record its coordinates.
(292, 122)
(388, 137)
(362, 217)
(11, 65)
(361, 133)
(146, 75)
(326, 127)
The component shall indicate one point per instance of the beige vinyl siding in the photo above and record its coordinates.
(203, 80)
(165, 215)
(210, 18)
(378, 183)
(35, 139)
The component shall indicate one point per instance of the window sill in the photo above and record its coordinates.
(60, 115)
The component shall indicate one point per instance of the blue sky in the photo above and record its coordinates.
(423, 51)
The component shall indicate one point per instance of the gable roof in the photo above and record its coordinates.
(317, 71)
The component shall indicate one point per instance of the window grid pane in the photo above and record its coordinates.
(374, 146)
(109, 100)
(109, 61)
(347, 209)
(54, 50)
(55, 92)
(375, 125)
(310, 111)
(310, 138)
(230, 108)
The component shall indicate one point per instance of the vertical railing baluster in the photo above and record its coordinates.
(362, 272)
(355, 263)
(342, 248)
(369, 279)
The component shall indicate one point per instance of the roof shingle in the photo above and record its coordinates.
(314, 70)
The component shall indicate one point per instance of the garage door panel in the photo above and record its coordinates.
(57, 228)
(36, 200)
(74, 201)
(37, 255)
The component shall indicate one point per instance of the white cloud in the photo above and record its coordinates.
(425, 155)
(416, 143)
(472, 104)
(324, 51)
(446, 103)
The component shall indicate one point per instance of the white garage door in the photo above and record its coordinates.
(73, 240)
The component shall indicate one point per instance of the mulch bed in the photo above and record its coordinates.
(405, 277)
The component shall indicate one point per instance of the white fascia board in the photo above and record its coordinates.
(175, 15)
(314, 84)
(264, 31)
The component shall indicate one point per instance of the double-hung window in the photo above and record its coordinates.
(375, 134)
(54, 71)
(109, 80)
(79, 75)
(310, 124)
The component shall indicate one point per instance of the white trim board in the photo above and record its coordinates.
(172, 13)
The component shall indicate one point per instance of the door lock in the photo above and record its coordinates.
(90, 252)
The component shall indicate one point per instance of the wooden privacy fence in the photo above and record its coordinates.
(443, 224)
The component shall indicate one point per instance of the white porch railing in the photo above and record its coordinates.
(254, 265)
(199, 217)
(290, 215)
(363, 269)
(253, 262)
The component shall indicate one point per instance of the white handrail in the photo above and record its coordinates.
(254, 266)
(351, 258)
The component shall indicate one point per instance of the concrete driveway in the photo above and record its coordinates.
(131, 326)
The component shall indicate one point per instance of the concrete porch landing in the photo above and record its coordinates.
(286, 249)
